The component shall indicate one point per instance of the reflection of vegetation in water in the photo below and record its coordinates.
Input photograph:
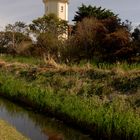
(11, 108)
(54, 129)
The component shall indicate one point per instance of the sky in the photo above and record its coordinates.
(27, 10)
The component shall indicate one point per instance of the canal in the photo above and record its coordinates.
(36, 126)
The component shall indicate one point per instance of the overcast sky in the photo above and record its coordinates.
(27, 10)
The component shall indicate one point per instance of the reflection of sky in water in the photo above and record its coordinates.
(37, 127)
(23, 124)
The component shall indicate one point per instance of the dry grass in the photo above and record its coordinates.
(9, 133)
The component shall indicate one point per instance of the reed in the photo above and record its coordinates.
(103, 117)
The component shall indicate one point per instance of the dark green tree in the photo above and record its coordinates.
(136, 44)
(96, 12)
(136, 33)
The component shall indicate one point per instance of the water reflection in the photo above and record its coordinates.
(35, 126)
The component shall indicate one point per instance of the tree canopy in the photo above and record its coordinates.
(136, 33)
(96, 12)
(50, 24)
(17, 27)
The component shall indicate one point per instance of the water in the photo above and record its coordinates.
(35, 126)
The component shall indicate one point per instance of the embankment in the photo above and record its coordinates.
(105, 103)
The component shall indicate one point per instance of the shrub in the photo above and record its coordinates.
(49, 44)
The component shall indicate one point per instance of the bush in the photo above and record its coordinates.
(49, 44)
(86, 40)
(100, 40)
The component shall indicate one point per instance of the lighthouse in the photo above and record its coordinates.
(57, 7)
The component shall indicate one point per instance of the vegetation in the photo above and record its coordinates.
(96, 12)
(109, 99)
(12, 40)
(22, 59)
(49, 31)
(91, 79)
(98, 35)
(9, 133)
(50, 24)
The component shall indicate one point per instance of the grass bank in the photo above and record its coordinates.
(22, 59)
(9, 133)
(103, 102)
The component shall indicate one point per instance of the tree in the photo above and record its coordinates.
(89, 35)
(50, 45)
(136, 44)
(17, 28)
(49, 24)
(99, 34)
(13, 36)
(49, 31)
(85, 43)
(96, 12)
(128, 25)
(102, 40)
(6, 41)
(6, 38)
(136, 33)
(115, 45)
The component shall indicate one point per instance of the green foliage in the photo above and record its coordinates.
(22, 59)
(124, 66)
(94, 99)
(49, 31)
(13, 36)
(98, 35)
(19, 27)
(115, 118)
(49, 24)
(6, 41)
(89, 11)
(127, 85)
(49, 45)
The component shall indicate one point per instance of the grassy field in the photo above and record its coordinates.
(39, 61)
(103, 101)
(27, 60)
(9, 133)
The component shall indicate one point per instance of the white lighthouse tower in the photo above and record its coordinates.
(57, 7)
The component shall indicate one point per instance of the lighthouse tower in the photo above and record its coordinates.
(57, 7)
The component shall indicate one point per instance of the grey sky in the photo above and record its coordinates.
(27, 10)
